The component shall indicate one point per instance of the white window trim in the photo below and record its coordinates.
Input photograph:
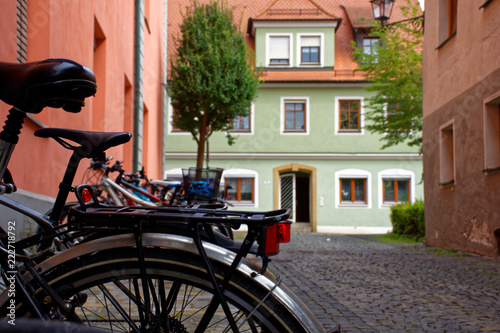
(361, 115)
(395, 174)
(290, 51)
(283, 118)
(170, 128)
(243, 173)
(353, 173)
(321, 47)
(252, 122)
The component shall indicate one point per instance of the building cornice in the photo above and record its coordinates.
(292, 23)
(300, 156)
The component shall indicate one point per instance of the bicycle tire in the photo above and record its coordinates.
(173, 269)
(45, 326)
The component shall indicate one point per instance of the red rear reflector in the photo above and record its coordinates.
(284, 232)
(272, 245)
(86, 195)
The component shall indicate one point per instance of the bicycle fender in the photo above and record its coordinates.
(216, 253)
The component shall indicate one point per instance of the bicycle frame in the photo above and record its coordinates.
(111, 188)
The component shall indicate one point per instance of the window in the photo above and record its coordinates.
(353, 190)
(447, 20)
(395, 186)
(491, 125)
(240, 187)
(279, 50)
(240, 124)
(370, 45)
(447, 155)
(452, 14)
(239, 190)
(350, 111)
(396, 190)
(295, 113)
(310, 49)
(173, 115)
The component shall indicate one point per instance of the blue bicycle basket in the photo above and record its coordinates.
(200, 188)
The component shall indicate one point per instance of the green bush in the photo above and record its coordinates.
(408, 219)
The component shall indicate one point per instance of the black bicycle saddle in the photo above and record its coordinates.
(57, 83)
(92, 144)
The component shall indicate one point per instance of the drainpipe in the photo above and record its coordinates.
(165, 95)
(138, 85)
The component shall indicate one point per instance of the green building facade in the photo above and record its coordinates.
(303, 145)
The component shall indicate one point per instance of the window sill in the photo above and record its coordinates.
(241, 204)
(448, 183)
(486, 3)
(389, 204)
(310, 64)
(443, 43)
(353, 205)
(240, 131)
(294, 132)
(349, 131)
(491, 170)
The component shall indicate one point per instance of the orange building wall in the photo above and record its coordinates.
(98, 34)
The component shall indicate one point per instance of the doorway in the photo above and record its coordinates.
(295, 188)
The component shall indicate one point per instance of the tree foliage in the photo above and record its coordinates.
(395, 69)
(212, 79)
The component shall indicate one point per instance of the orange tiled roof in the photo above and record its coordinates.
(349, 12)
(294, 9)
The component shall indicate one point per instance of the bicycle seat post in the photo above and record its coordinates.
(10, 136)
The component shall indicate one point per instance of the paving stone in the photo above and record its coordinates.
(369, 286)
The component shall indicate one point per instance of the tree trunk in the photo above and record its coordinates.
(201, 142)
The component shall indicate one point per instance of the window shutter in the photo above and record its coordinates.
(279, 47)
(311, 41)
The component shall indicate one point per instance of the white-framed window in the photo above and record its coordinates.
(349, 111)
(491, 128)
(395, 186)
(311, 50)
(353, 188)
(170, 127)
(294, 115)
(447, 154)
(240, 187)
(279, 50)
(244, 125)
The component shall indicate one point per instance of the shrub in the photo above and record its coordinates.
(408, 219)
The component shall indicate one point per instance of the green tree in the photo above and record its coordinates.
(212, 79)
(395, 69)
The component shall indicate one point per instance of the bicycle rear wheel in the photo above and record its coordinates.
(106, 290)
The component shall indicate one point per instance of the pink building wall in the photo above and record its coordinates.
(100, 35)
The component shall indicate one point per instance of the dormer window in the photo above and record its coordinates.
(279, 50)
(310, 50)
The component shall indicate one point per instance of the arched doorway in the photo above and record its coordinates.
(295, 188)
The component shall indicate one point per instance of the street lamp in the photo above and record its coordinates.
(382, 9)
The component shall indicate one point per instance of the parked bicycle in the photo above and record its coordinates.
(131, 269)
(125, 191)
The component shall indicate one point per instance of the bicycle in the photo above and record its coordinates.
(142, 266)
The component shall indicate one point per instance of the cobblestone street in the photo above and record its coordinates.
(366, 285)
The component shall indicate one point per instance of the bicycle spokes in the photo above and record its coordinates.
(175, 306)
